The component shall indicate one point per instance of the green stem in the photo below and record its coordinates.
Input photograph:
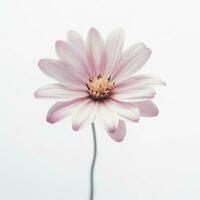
(93, 162)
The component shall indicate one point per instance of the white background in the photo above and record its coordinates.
(159, 159)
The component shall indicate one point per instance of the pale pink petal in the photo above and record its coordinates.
(119, 133)
(96, 54)
(125, 110)
(132, 60)
(107, 117)
(60, 110)
(132, 90)
(58, 91)
(114, 46)
(147, 109)
(61, 72)
(84, 115)
(137, 81)
(127, 57)
(77, 42)
(70, 56)
(142, 94)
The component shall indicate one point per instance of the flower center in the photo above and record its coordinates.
(99, 87)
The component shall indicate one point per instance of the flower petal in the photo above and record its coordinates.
(61, 72)
(60, 110)
(132, 60)
(96, 55)
(77, 42)
(125, 110)
(107, 116)
(70, 56)
(58, 91)
(114, 46)
(137, 81)
(136, 95)
(119, 133)
(86, 113)
(147, 109)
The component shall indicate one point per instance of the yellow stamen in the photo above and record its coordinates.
(99, 87)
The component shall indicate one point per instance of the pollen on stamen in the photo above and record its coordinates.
(99, 87)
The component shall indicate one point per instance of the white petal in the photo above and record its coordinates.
(114, 46)
(142, 94)
(147, 109)
(107, 116)
(61, 72)
(77, 42)
(58, 91)
(127, 57)
(132, 89)
(138, 81)
(125, 110)
(96, 52)
(86, 113)
(70, 56)
(60, 110)
(120, 132)
(132, 60)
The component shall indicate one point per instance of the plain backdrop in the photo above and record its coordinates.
(160, 157)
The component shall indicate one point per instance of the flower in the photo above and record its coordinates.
(97, 81)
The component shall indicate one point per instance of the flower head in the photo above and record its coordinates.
(96, 80)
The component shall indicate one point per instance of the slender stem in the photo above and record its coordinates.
(93, 163)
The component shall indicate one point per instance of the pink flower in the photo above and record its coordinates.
(97, 81)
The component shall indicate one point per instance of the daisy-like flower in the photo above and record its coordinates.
(97, 81)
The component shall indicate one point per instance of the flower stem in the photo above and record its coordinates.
(93, 162)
